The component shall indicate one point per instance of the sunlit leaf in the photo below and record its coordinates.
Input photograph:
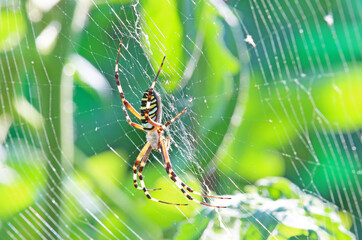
(20, 175)
(194, 229)
(28, 113)
(12, 29)
(218, 69)
(162, 36)
(220, 65)
(100, 2)
(5, 123)
(295, 215)
(344, 93)
(256, 164)
(105, 168)
(89, 77)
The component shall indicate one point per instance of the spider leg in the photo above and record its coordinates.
(125, 103)
(153, 123)
(148, 194)
(160, 126)
(197, 193)
(159, 70)
(177, 180)
(140, 170)
(145, 152)
(142, 157)
(173, 119)
(168, 143)
(149, 120)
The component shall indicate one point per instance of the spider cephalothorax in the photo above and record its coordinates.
(151, 116)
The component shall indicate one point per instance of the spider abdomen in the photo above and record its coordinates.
(155, 111)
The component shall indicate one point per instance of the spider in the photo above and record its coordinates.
(151, 116)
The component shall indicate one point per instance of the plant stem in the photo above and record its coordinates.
(47, 75)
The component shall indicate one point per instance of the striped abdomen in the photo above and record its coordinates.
(155, 112)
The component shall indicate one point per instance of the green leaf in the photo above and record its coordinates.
(20, 175)
(344, 92)
(187, 229)
(107, 2)
(218, 67)
(218, 70)
(28, 113)
(105, 169)
(162, 36)
(12, 29)
(275, 208)
(89, 77)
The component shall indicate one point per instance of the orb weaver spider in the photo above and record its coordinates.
(151, 116)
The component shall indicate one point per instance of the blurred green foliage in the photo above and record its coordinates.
(164, 25)
(268, 133)
(10, 36)
(273, 208)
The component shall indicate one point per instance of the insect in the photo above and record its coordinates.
(151, 116)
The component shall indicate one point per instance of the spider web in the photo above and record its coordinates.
(271, 86)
